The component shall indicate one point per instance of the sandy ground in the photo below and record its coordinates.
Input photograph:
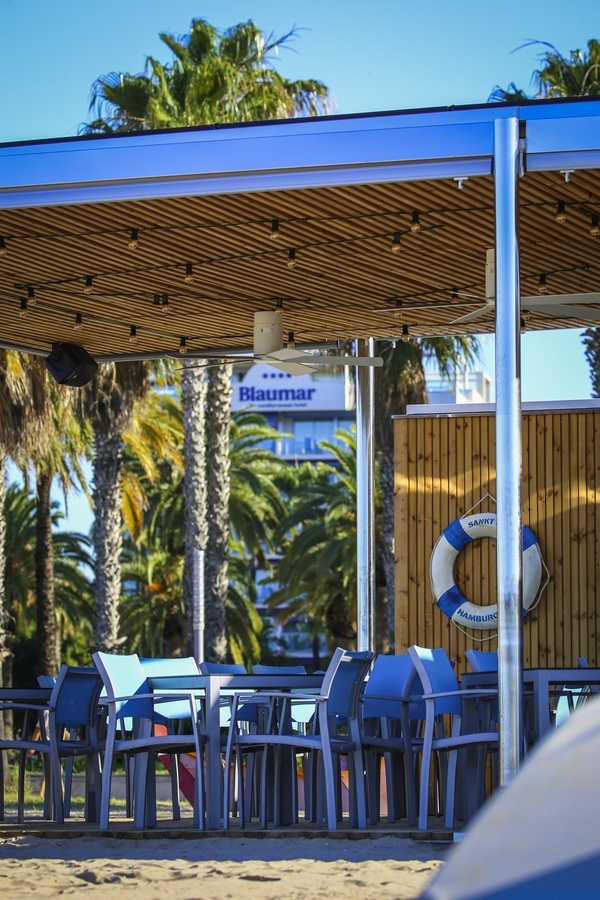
(218, 868)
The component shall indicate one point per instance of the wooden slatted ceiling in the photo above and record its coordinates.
(344, 271)
(445, 465)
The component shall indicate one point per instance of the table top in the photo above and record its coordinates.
(25, 695)
(550, 674)
(235, 682)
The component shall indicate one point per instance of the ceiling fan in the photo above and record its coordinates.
(566, 306)
(268, 348)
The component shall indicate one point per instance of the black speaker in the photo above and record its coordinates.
(71, 364)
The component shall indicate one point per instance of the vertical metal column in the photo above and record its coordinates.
(365, 498)
(509, 460)
(198, 605)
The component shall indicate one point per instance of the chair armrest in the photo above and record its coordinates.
(473, 693)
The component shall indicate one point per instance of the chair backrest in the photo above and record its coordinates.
(344, 681)
(210, 668)
(260, 669)
(74, 700)
(437, 676)
(46, 681)
(154, 667)
(482, 660)
(393, 677)
(123, 676)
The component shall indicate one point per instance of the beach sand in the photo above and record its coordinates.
(218, 868)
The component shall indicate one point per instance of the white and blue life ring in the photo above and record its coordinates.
(445, 592)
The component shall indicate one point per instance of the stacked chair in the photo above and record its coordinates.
(334, 732)
(133, 711)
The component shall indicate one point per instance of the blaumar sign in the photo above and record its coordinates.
(266, 388)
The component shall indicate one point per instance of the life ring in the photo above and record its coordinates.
(445, 592)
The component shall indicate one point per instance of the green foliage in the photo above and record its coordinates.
(575, 75)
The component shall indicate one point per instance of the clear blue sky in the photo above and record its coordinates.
(375, 55)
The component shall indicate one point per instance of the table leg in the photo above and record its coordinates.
(214, 774)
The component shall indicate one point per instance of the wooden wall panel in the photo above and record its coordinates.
(445, 466)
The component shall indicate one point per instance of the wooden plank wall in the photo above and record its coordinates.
(443, 467)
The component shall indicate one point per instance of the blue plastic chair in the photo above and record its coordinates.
(392, 715)
(443, 702)
(131, 702)
(338, 699)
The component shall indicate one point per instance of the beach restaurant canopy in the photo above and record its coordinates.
(356, 227)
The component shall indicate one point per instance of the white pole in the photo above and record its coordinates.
(365, 498)
(509, 459)
(198, 604)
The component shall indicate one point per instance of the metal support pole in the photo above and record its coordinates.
(365, 498)
(509, 460)
(198, 604)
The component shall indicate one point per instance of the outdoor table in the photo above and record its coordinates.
(540, 682)
(211, 688)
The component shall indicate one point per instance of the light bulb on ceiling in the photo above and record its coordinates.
(30, 296)
(291, 343)
(78, 322)
(132, 334)
(523, 325)
(274, 234)
(595, 225)
(3, 247)
(405, 334)
(279, 306)
(415, 223)
(157, 300)
(542, 286)
(561, 215)
(291, 261)
(454, 295)
(396, 247)
(183, 346)
(24, 308)
(189, 273)
(134, 239)
(165, 303)
(87, 284)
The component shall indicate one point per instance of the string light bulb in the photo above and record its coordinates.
(3, 247)
(134, 239)
(396, 247)
(561, 215)
(542, 286)
(24, 308)
(291, 343)
(189, 273)
(183, 346)
(30, 296)
(88, 284)
(291, 261)
(132, 334)
(78, 326)
(165, 303)
(595, 225)
(274, 233)
(415, 223)
(157, 300)
(405, 334)
(454, 294)
(279, 306)
(523, 325)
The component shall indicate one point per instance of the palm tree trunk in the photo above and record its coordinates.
(218, 404)
(107, 541)
(195, 523)
(47, 629)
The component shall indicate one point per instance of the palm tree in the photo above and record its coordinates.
(213, 77)
(317, 570)
(577, 75)
(109, 401)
